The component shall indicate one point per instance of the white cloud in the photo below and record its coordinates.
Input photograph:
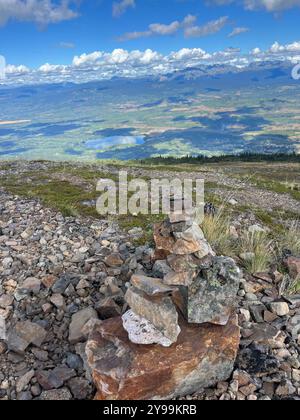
(51, 68)
(41, 12)
(277, 48)
(154, 29)
(187, 53)
(271, 5)
(149, 56)
(118, 56)
(188, 25)
(120, 7)
(86, 59)
(208, 28)
(11, 69)
(255, 51)
(238, 31)
(268, 5)
(99, 65)
(161, 29)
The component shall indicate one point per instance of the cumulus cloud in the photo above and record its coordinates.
(288, 48)
(86, 59)
(238, 31)
(255, 51)
(120, 7)
(99, 65)
(209, 28)
(51, 68)
(11, 69)
(41, 12)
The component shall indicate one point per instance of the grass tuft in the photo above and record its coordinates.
(217, 231)
(260, 245)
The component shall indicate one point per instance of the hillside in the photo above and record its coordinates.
(63, 265)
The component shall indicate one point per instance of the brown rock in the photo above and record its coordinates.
(269, 316)
(107, 308)
(293, 264)
(48, 281)
(203, 356)
(200, 247)
(163, 239)
(114, 260)
(264, 276)
(180, 279)
(242, 377)
(160, 254)
(248, 389)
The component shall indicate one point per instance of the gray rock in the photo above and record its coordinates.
(30, 285)
(31, 332)
(2, 328)
(24, 334)
(56, 395)
(211, 298)
(24, 396)
(54, 379)
(280, 308)
(159, 311)
(24, 380)
(257, 312)
(79, 320)
(80, 388)
(160, 269)
(63, 282)
(74, 361)
(150, 286)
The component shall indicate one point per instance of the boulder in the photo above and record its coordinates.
(203, 356)
(211, 297)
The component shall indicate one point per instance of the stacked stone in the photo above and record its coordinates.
(192, 280)
(181, 333)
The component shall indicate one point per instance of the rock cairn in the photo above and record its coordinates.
(180, 334)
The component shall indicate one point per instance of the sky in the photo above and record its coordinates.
(71, 39)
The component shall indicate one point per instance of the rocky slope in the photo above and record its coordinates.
(58, 275)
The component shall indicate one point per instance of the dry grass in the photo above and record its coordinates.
(217, 231)
(290, 239)
(260, 245)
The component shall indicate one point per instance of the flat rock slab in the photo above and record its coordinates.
(160, 311)
(122, 370)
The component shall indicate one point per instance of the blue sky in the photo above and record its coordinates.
(36, 32)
